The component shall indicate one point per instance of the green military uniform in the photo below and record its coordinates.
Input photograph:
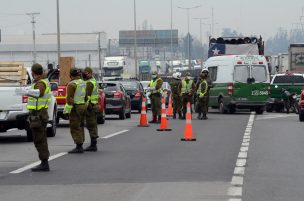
(92, 108)
(202, 98)
(210, 85)
(38, 115)
(187, 89)
(177, 103)
(76, 108)
(156, 95)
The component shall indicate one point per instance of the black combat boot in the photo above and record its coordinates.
(43, 167)
(77, 150)
(92, 147)
(153, 120)
(199, 116)
(174, 115)
(204, 117)
(159, 119)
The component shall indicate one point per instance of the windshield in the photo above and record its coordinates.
(109, 86)
(241, 73)
(113, 72)
(259, 73)
(288, 79)
(130, 85)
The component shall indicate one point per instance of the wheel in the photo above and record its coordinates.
(259, 111)
(51, 131)
(279, 109)
(232, 110)
(101, 118)
(29, 135)
(222, 109)
(269, 108)
(128, 115)
(122, 114)
(301, 116)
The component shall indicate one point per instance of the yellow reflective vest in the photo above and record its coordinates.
(94, 96)
(40, 102)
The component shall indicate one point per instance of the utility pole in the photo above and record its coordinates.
(135, 40)
(200, 23)
(171, 33)
(212, 22)
(58, 34)
(32, 15)
(99, 57)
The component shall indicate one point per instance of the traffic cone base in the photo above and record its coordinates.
(163, 122)
(164, 129)
(183, 139)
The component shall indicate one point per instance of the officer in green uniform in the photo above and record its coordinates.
(177, 103)
(38, 103)
(202, 97)
(75, 106)
(92, 107)
(187, 89)
(210, 85)
(155, 88)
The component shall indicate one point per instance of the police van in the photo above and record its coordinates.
(239, 82)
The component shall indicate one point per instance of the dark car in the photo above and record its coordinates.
(117, 100)
(136, 91)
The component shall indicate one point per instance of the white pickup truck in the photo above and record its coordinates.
(13, 111)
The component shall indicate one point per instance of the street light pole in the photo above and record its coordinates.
(58, 34)
(171, 33)
(135, 39)
(188, 14)
(99, 57)
(200, 23)
(34, 35)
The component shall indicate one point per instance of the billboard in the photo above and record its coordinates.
(148, 38)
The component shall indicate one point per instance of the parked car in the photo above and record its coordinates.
(117, 100)
(136, 92)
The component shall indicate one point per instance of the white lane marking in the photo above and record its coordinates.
(246, 137)
(241, 162)
(276, 116)
(245, 144)
(239, 171)
(243, 149)
(235, 191)
(237, 180)
(246, 140)
(114, 134)
(235, 199)
(20, 170)
(242, 155)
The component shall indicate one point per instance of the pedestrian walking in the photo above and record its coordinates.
(187, 89)
(155, 87)
(177, 103)
(92, 107)
(76, 108)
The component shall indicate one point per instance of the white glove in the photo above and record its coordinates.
(151, 88)
(21, 91)
(33, 92)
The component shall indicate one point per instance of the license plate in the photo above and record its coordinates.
(60, 106)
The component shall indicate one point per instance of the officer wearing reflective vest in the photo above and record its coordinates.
(155, 88)
(177, 104)
(92, 107)
(210, 85)
(202, 97)
(187, 89)
(39, 98)
(75, 107)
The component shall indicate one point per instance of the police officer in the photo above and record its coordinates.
(210, 85)
(155, 88)
(175, 82)
(92, 107)
(76, 108)
(202, 97)
(187, 89)
(38, 102)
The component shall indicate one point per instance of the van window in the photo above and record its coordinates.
(213, 73)
(241, 73)
(259, 73)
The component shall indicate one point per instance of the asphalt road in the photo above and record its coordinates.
(142, 164)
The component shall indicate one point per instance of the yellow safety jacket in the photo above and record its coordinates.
(40, 102)
(153, 85)
(94, 96)
(79, 96)
(186, 88)
(199, 90)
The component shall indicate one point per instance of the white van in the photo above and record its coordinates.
(239, 81)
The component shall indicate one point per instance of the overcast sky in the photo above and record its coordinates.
(261, 17)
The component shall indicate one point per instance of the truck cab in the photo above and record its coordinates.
(114, 67)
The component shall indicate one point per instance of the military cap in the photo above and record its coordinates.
(88, 69)
(37, 69)
(75, 72)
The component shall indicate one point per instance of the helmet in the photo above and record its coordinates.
(37, 69)
(205, 70)
(175, 76)
(75, 72)
(154, 72)
(178, 74)
(188, 74)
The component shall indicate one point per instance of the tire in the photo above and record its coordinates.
(51, 131)
(259, 111)
(101, 118)
(128, 115)
(232, 110)
(269, 109)
(301, 116)
(279, 109)
(122, 114)
(222, 109)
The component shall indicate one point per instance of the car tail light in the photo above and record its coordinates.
(268, 89)
(239, 62)
(261, 62)
(24, 99)
(230, 88)
(118, 94)
(302, 95)
(137, 94)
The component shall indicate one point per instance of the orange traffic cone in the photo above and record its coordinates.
(143, 115)
(188, 135)
(170, 109)
(163, 122)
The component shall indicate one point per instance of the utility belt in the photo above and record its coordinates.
(34, 119)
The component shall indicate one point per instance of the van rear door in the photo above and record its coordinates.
(250, 83)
